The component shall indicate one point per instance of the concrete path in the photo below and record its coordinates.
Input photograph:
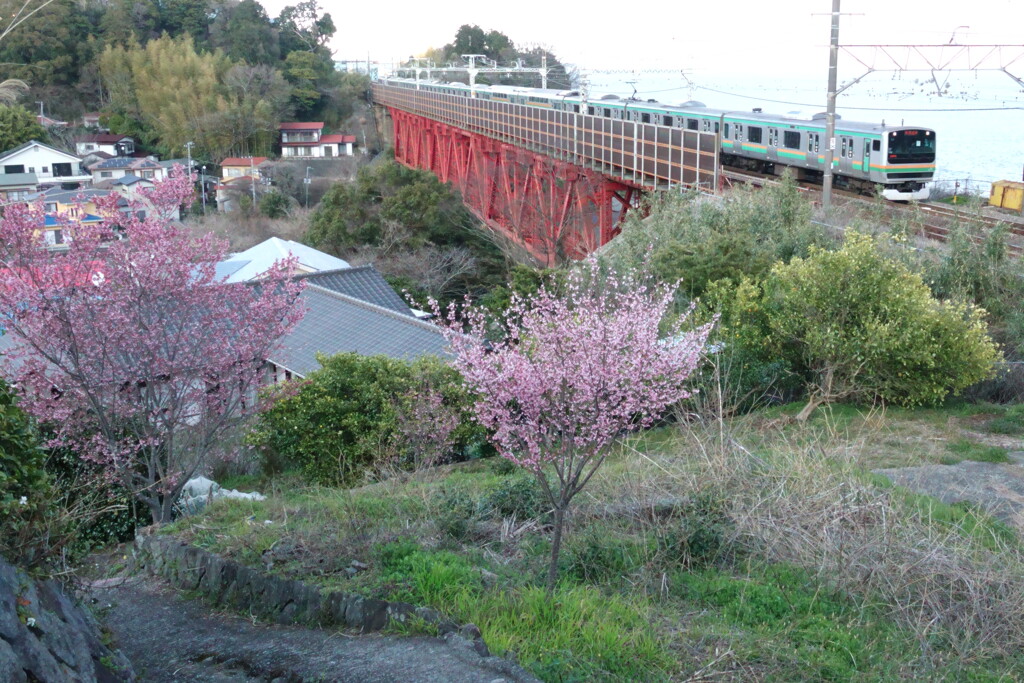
(173, 639)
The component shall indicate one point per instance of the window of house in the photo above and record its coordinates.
(31, 169)
(61, 170)
(105, 174)
(754, 133)
(147, 174)
(14, 169)
(791, 139)
(46, 169)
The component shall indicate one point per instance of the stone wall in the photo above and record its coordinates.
(45, 637)
(285, 601)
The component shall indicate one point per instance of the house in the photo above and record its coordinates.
(240, 167)
(338, 323)
(252, 263)
(17, 187)
(58, 229)
(305, 140)
(91, 120)
(114, 145)
(362, 282)
(112, 169)
(47, 122)
(50, 165)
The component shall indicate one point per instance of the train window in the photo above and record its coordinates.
(607, 113)
(739, 131)
(667, 120)
(727, 130)
(754, 134)
(843, 153)
(590, 110)
(691, 124)
(645, 118)
(791, 139)
(716, 126)
(705, 125)
(876, 145)
(849, 148)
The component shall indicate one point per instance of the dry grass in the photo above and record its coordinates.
(244, 231)
(954, 578)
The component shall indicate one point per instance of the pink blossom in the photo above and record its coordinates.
(127, 343)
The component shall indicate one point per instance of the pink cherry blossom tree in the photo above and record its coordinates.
(572, 372)
(126, 343)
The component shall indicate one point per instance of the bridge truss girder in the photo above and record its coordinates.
(556, 210)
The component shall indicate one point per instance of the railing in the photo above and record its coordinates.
(645, 154)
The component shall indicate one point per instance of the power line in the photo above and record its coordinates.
(818, 104)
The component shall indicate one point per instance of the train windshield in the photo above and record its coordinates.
(911, 146)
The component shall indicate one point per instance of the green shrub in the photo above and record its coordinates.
(701, 536)
(1010, 423)
(343, 419)
(457, 514)
(599, 555)
(519, 495)
(274, 205)
(857, 325)
(24, 488)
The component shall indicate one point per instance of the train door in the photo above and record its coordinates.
(865, 166)
(772, 148)
(845, 154)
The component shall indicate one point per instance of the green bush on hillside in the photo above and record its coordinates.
(347, 417)
(854, 324)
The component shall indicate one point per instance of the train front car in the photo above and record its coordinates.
(905, 163)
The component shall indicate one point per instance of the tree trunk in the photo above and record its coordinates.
(812, 404)
(556, 548)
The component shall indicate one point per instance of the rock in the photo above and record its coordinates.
(359, 566)
(46, 637)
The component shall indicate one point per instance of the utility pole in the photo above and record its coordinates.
(830, 112)
(188, 157)
(202, 185)
(306, 181)
(252, 177)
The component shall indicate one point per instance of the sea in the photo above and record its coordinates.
(978, 117)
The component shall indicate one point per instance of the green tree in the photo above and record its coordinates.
(303, 27)
(243, 31)
(44, 50)
(17, 126)
(858, 325)
(181, 17)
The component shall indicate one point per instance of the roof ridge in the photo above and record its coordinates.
(333, 271)
(405, 318)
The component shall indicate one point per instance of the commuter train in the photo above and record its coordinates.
(897, 160)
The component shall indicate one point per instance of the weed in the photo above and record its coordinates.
(970, 450)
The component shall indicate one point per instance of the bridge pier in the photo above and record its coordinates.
(557, 210)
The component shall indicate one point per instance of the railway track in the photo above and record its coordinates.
(934, 222)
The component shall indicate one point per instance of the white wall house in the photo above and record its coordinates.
(50, 165)
(306, 140)
(114, 145)
(112, 169)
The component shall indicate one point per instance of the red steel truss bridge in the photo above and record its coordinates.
(558, 183)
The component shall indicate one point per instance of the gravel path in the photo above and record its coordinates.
(996, 487)
(173, 639)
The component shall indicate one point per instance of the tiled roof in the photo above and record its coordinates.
(123, 162)
(338, 137)
(301, 125)
(31, 143)
(243, 161)
(336, 323)
(364, 283)
(104, 138)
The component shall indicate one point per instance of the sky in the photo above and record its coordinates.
(733, 37)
